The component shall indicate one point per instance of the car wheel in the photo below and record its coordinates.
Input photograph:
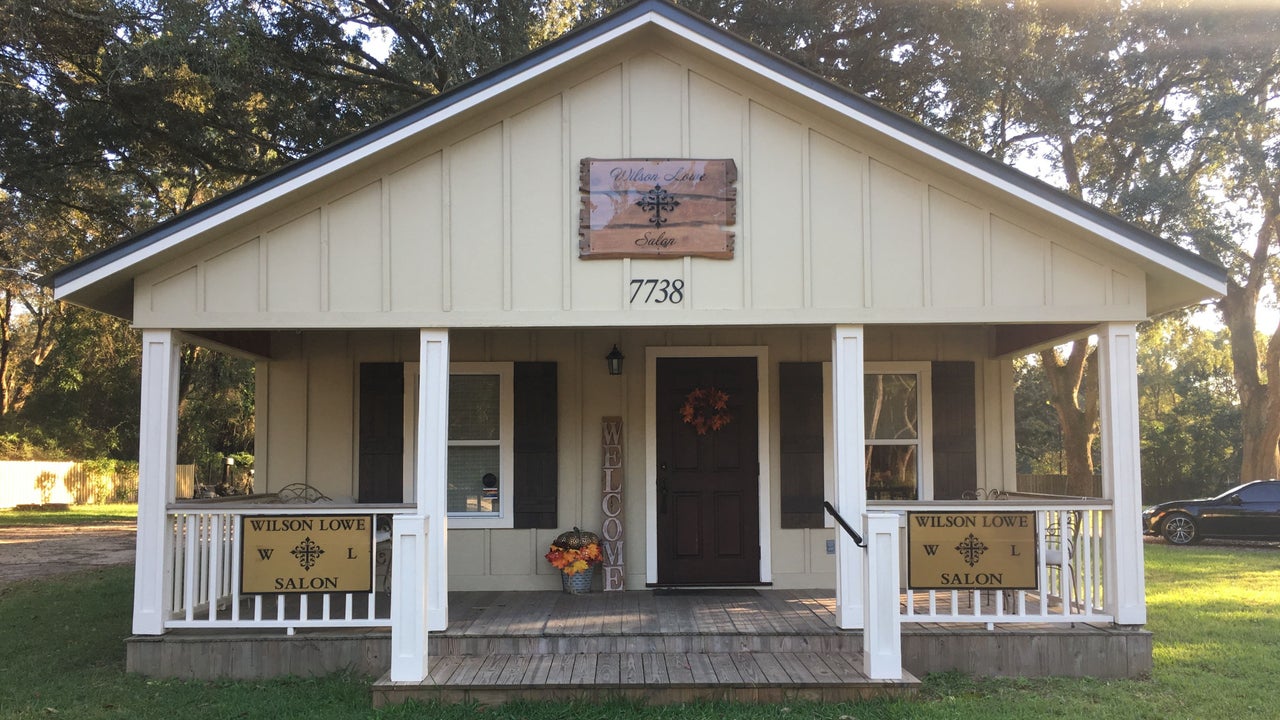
(1180, 529)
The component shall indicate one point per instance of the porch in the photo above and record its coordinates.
(662, 646)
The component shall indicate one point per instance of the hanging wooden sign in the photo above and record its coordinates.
(657, 208)
(611, 503)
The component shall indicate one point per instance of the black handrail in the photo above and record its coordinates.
(857, 539)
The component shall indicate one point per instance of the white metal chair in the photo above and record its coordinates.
(1060, 554)
(984, 494)
(300, 493)
(382, 553)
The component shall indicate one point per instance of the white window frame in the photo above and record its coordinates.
(923, 370)
(505, 517)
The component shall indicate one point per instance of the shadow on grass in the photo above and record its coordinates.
(76, 515)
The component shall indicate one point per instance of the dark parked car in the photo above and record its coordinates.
(1250, 511)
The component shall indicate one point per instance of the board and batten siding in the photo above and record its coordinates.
(475, 225)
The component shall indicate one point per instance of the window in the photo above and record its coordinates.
(480, 460)
(897, 416)
(1263, 493)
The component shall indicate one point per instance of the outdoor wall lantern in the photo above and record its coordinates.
(614, 359)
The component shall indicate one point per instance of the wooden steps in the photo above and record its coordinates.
(653, 677)
(657, 647)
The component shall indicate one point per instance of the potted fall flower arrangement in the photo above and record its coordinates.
(575, 554)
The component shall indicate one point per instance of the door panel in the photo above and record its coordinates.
(708, 505)
(1259, 511)
(729, 541)
(686, 521)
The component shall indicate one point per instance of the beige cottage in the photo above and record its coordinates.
(430, 338)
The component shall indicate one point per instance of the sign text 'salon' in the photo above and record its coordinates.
(971, 550)
(306, 553)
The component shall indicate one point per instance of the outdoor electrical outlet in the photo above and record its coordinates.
(831, 547)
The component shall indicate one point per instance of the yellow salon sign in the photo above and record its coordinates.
(306, 553)
(971, 550)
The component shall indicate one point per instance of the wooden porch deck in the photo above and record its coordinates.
(662, 646)
(658, 646)
(693, 613)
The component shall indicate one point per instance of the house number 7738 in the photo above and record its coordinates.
(659, 290)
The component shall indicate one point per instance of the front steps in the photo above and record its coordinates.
(652, 677)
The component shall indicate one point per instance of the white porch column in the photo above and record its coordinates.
(882, 631)
(1121, 471)
(409, 593)
(431, 469)
(157, 460)
(851, 471)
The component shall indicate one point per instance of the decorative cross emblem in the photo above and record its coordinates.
(657, 201)
(971, 548)
(307, 553)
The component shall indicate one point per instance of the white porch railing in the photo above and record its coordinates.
(203, 550)
(1070, 545)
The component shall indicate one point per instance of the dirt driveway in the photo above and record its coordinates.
(45, 551)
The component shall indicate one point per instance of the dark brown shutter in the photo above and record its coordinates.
(800, 418)
(381, 432)
(955, 433)
(536, 459)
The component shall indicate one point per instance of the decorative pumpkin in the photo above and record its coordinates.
(576, 539)
(575, 552)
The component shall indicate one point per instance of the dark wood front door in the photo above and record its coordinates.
(708, 502)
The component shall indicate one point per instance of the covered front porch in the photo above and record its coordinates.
(443, 596)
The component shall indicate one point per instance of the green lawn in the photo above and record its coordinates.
(76, 515)
(1215, 612)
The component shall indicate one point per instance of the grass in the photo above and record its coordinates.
(76, 515)
(1215, 612)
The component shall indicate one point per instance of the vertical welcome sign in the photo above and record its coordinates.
(611, 502)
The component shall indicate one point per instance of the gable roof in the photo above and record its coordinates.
(100, 280)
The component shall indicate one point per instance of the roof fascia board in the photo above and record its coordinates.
(894, 131)
(289, 184)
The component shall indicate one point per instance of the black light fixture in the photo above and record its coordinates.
(614, 359)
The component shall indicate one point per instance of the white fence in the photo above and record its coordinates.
(69, 482)
(1070, 545)
(203, 551)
